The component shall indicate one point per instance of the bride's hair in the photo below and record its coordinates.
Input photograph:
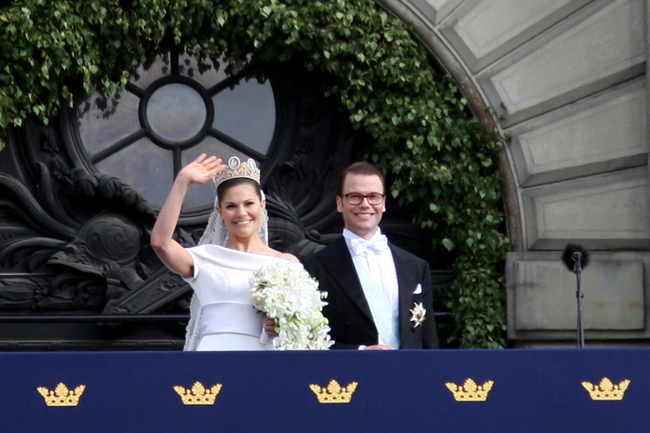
(364, 168)
(231, 183)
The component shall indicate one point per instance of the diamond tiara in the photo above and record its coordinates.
(236, 168)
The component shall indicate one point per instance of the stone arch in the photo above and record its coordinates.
(567, 83)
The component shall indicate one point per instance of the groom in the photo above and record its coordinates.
(379, 296)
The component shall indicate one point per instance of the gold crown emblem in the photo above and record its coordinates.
(236, 168)
(334, 393)
(606, 390)
(198, 394)
(61, 396)
(470, 391)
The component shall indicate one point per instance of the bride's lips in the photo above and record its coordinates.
(241, 223)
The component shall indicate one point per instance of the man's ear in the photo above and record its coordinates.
(339, 204)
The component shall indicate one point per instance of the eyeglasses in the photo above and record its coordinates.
(374, 198)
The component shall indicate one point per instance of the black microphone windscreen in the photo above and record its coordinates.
(568, 256)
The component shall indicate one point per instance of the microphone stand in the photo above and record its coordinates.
(577, 269)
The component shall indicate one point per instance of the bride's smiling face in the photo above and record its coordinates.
(241, 209)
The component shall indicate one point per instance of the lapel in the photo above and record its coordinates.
(338, 264)
(406, 278)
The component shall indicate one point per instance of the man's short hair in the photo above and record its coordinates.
(364, 168)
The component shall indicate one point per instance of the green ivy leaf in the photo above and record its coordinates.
(448, 244)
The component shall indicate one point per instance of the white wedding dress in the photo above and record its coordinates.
(222, 316)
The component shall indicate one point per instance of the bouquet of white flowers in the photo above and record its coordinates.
(287, 294)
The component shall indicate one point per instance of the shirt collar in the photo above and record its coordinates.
(348, 235)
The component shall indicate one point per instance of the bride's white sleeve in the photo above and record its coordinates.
(192, 334)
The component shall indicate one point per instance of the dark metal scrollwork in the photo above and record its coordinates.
(81, 264)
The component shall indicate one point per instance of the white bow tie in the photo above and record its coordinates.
(379, 243)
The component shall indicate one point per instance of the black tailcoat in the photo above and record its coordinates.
(348, 311)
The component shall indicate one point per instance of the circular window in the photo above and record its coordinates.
(173, 109)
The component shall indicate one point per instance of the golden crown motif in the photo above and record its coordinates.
(606, 390)
(236, 168)
(198, 394)
(61, 396)
(334, 393)
(470, 391)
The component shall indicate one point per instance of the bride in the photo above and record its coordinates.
(233, 246)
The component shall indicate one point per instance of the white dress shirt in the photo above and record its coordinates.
(378, 260)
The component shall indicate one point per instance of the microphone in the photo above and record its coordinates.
(575, 257)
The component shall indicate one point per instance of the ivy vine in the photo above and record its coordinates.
(426, 140)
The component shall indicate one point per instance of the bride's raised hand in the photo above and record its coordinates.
(201, 170)
(172, 254)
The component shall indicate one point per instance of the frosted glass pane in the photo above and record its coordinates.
(144, 166)
(247, 114)
(205, 72)
(105, 120)
(176, 112)
(150, 72)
